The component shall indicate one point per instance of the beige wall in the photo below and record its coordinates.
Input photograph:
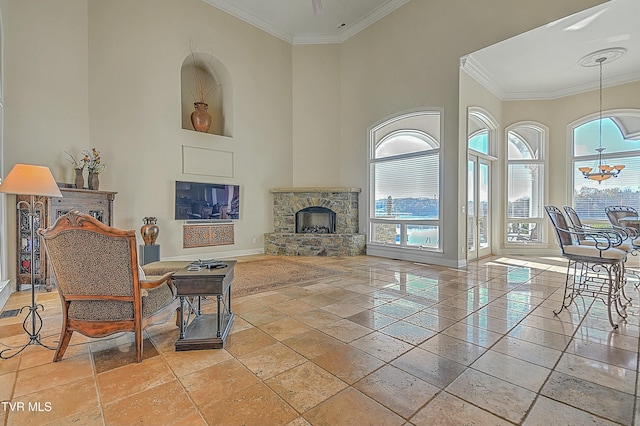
(105, 74)
(316, 114)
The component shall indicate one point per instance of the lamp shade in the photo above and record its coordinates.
(27, 179)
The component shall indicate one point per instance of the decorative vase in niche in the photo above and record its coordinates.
(92, 181)
(79, 179)
(149, 230)
(200, 118)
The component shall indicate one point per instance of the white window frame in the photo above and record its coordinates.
(543, 160)
(397, 125)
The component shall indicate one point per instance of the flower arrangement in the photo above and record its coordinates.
(78, 163)
(94, 165)
(89, 159)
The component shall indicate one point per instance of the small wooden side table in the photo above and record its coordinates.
(198, 330)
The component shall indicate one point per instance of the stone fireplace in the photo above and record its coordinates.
(315, 222)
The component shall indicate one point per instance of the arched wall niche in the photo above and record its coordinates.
(218, 92)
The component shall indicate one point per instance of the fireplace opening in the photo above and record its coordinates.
(316, 220)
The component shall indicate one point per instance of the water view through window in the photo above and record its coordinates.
(590, 197)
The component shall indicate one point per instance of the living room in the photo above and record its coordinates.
(107, 75)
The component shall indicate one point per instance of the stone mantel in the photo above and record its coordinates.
(333, 189)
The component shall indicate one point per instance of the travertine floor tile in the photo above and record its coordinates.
(163, 404)
(57, 374)
(272, 360)
(546, 411)
(312, 343)
(305, 386)
(432, 368)
(133, 378)
(501, 398)
(382, 346)
(455, 349)
(408, 332)
(230, 375)
(348, 363)
(248, 341)
(527, 351)
(448, 410)
(346, 330)
(591, 397)
(256, 405)
(512, 370)
(397, 390)
(598, 372)
(284, 328)
(351, 407)
(54, 404)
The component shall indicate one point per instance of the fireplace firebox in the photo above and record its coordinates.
(315, 220)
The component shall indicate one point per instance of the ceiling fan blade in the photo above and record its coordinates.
(317, 7)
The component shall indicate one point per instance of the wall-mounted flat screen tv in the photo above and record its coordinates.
(207, 201)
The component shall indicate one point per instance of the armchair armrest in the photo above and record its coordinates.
(602, 239)
(628, 231)
(155, 283)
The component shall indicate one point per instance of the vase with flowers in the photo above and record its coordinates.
(203, 87)
(95, 167)
(78, 166)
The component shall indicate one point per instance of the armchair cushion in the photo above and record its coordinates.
(590, 251)
(111, 310)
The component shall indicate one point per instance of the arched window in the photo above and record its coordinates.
(525, 184)
(404, 182)
(621, 143)
(479, 141)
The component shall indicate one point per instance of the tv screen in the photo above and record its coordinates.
(207, 201)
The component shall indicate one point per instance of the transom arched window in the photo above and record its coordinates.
(404, 142)
(479, 141)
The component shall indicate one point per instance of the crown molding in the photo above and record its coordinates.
(479, 73)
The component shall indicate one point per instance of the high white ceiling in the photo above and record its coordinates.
(539, 64)
(543, 63)
(295, 22)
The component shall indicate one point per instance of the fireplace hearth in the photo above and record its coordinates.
(314, 221)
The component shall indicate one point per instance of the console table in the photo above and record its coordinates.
(198, 330)
(98, 204)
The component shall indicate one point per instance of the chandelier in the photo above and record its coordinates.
(601, 171)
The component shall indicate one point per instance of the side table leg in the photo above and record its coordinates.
(219, 333)
(181, 317)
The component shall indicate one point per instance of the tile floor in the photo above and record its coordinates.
(384, 343)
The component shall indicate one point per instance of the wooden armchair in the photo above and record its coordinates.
(96, 269)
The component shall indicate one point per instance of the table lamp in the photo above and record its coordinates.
(26, 179)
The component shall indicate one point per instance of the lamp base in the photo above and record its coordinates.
(34, 334)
